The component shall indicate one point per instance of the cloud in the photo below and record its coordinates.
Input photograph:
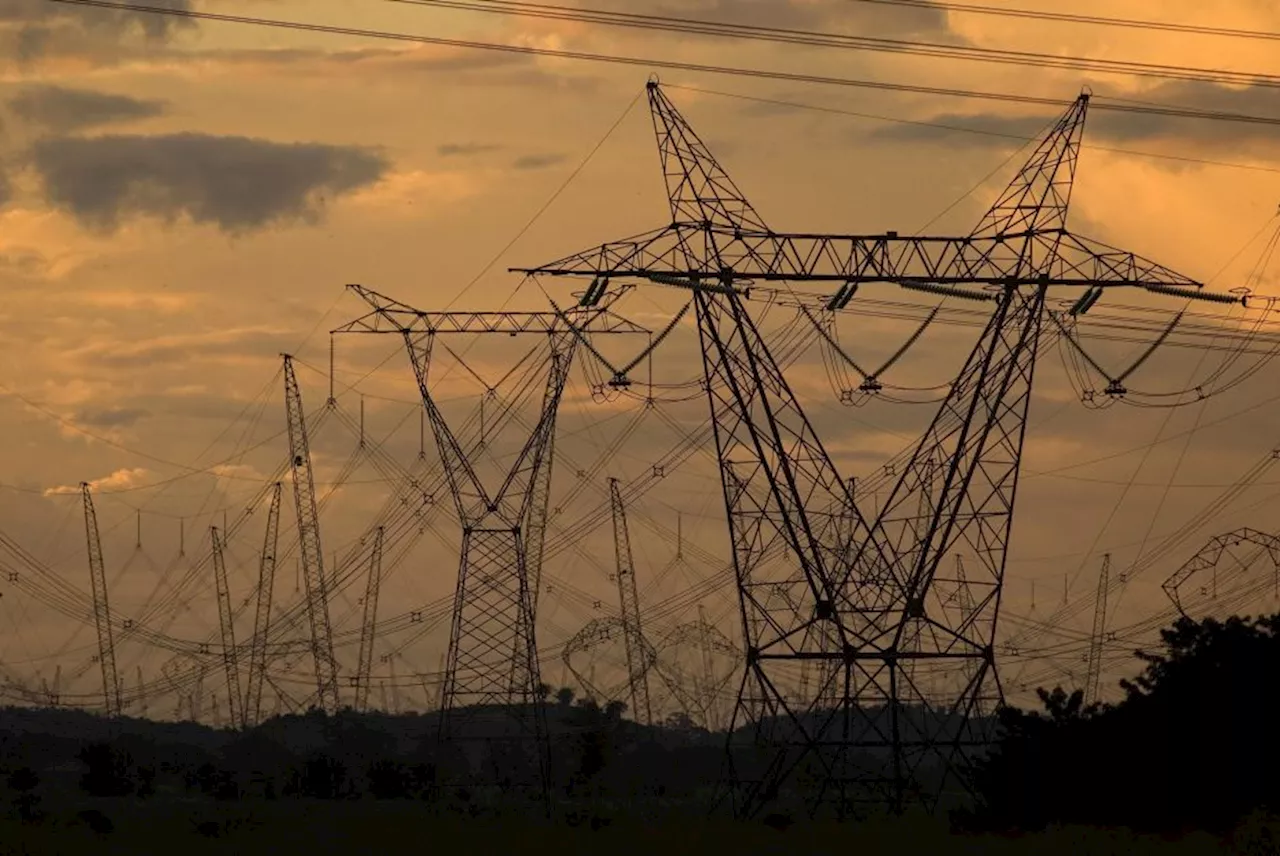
(6, 189)
(449, 150)
(116, 481)
(464, 65)
(812, 15)
(35, 29)
(537, 161)
(1250, 100)
(133, 301)
(1114, 126)
(61, 110)
(111, 417)
(23, 262)
(234, 183)
(402, 191)
(981, 130)
(178, 349)
(238, 472)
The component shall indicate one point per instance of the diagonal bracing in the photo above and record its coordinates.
(865, 597)
(492, 682)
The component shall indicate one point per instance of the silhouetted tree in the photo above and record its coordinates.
(26, 801)
(352, 741)
(390, 780)
(1191, 744)
(320, 777)
(596, 731)
(145, 777)
(108, 771)
(97, 821)
(679, 721)
(564, 696)
(216, 782)
(256, 762)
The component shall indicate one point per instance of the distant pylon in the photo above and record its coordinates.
(311, 554)
(368, 626)
(638, 659)
(492, 680)
(226, 623)
(262, 616)
(1093, 675)
(101, 608)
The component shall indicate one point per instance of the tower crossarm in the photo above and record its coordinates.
(511, 500)
(387, 315)
(762, 257)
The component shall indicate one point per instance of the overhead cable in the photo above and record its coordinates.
(1171, 111)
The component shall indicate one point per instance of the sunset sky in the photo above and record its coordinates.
(181, 201)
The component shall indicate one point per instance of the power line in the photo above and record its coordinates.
(550, 201)
(763, 74)
(826, 39)
(778, 102)
(1070, 18)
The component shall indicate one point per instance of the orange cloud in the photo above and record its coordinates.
(116, 481)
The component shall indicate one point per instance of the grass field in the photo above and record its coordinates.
(372, 827)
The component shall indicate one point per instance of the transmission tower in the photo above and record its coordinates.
(492, 664)
(710, 692)
(101, 609)
(226, 622)
(1212, 554)
(196, 700)
(262, 616)
(594, 634)
(874, 588)
(52, 693)
(369, 625)
(312, 556)
(143, 705)
(629, 598)
(1093, 674)
(686, 664)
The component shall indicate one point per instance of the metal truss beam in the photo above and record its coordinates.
(492, 683)
(859, 259)
(391, 316)
(913, 668)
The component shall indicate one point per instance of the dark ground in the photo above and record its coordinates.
(370, 826)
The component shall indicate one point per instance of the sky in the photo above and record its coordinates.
(183, 201)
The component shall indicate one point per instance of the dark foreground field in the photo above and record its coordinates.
(359, 827)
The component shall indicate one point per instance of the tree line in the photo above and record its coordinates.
(1188, 746)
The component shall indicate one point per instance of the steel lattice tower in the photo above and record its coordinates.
(262, 615)
(629, 600)
(101, 607)
(368, 627)
(871, 586)
(1093, 668)
(492, 681)
(311, 554)
(226, 624)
